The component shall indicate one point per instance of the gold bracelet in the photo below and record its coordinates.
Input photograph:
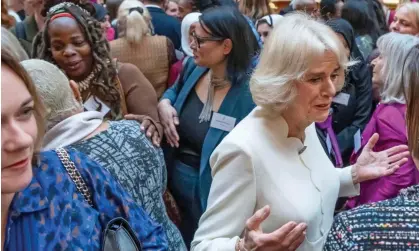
(354, 173)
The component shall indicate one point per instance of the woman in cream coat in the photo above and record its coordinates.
(274, 187)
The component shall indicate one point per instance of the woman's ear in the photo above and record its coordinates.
(228, 46)
(75, 88)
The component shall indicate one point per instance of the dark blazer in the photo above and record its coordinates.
(165, 25)
(347, 120)
(238, 103)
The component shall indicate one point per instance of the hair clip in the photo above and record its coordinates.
(61, 6)
(139, 9)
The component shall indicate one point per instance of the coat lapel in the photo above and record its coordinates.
(187, 87)
(211, 141)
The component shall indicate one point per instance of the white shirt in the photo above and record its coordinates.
(153, 5)
(257, 165)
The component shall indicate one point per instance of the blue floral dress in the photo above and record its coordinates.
(50, 214)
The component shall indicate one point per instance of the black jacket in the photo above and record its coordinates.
(347, 120)
(165, 25)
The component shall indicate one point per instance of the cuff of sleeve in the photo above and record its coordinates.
(221, 244)
(347, 187)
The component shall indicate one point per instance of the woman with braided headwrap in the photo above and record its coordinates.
(74, 41)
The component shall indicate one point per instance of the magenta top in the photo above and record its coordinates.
(389, 122)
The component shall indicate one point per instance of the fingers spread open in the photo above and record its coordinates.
(371, 142)
(396, 149)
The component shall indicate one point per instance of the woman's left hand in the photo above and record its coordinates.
(147, 127)
(371, 165)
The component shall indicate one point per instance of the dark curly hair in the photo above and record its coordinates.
(103, 85)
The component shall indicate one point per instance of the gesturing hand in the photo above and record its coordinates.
(288, 237)
(372, 165)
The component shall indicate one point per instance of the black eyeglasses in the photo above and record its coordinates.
(200, 40)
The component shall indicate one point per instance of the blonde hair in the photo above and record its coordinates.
(255, 9)
(134, 25)
(11, 44)
(294, 44)
(414, 9)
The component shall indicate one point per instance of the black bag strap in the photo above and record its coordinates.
(20, 31)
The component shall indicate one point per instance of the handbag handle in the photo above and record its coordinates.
(75, 175)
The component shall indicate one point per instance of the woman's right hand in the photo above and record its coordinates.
(288, 237)
(169, 119)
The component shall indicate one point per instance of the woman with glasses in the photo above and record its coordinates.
(209, 99)
(265, 25)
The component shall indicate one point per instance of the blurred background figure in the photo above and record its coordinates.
(187, 31)
(153, 55)
(172, 8)
(265, 25)
(186, 7)
(366, 30)
(406, 19)
(163, 24)
(8, 17)
(102, 15)
(254, 9)
(330, 9)
(34, 22)
(10, 43)
(307, 6)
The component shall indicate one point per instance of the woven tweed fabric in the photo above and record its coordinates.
(391, 225)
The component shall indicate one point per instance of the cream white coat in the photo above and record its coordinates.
(258, 165)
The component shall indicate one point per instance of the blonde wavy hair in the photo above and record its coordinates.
(294, 44)
(413, 8)
(134, 21)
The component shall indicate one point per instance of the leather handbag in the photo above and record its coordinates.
(118, 234)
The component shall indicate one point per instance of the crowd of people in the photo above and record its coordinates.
(209, 125)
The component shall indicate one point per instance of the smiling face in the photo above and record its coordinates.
(18, 132)
(404, 22)
(70, 48)
(317, 89)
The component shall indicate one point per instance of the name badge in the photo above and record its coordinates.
(328, 144)
(222, 122)
(95, 104)
(342, 99)
(357, 141)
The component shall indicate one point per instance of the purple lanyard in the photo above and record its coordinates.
(327, 125)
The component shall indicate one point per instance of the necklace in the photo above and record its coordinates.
(85, 83)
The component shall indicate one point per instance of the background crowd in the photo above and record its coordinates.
(209, 125)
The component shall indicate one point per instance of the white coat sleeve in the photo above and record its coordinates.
(347, 187)
(231, 201)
